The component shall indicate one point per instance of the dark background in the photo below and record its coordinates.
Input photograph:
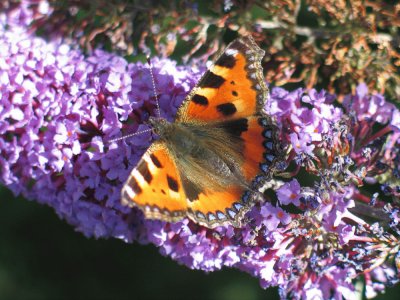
(42, 257)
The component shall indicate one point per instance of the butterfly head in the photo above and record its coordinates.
(160, 126)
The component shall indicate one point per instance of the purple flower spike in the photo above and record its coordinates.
(289, 193)
(302, 144)
(311, 235)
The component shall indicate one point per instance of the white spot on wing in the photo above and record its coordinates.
(174, 194)
(130, 192)
(231, 52)
(150, 164)
(139, 178)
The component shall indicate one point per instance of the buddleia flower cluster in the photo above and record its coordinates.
(330, 216)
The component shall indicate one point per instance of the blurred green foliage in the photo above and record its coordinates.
(41, 257)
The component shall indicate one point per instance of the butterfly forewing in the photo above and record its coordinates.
(233, 87)
(155, 186)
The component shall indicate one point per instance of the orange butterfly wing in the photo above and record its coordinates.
(232, 88)
(155, 186)
(213, 209)
(262, 149)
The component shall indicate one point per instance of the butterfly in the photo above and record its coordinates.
(210, 162)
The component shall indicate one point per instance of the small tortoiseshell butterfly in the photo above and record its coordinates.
(209, 164)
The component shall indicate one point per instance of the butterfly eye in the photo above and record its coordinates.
(152, 121)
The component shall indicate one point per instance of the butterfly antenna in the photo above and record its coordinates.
(128, 135)
(154, 87)
(157, 107)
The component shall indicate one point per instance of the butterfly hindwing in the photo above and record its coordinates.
(232, 88)
(215, 208)
(155, 186)
(261, 147)
(158, 188)
(261, 151)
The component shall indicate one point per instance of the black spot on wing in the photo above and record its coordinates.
(145, 172)
(172, 184)
(235, 127)
(134, 185)
(155, 161)
(191, 190)
(200, 100)
(227, 109)
(234, 93)
(125, 195)
(212, 80)
(227, 61)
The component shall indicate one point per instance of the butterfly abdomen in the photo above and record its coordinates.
(207, 156)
